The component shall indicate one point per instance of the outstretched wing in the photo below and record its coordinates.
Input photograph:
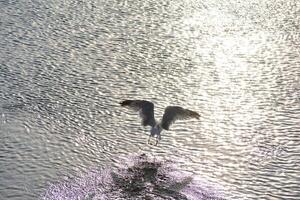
(173, 113)
(145, 108)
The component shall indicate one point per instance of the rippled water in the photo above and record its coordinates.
(65, 65)
(139, 177)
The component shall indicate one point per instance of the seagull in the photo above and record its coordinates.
(146, 111)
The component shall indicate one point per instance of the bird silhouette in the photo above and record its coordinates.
(171, 114)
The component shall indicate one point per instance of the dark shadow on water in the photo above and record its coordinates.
(139, 178)
(143, 179)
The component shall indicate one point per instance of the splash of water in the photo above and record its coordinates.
(140, 177)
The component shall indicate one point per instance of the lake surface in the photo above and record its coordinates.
(66, 65)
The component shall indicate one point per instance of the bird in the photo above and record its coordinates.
(146, 112)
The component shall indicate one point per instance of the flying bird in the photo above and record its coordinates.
(171, 114)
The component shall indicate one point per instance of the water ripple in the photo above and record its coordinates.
(65, 65)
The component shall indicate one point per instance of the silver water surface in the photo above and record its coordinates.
(65, 65)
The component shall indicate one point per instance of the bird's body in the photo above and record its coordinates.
(146, 111)
(155, 132)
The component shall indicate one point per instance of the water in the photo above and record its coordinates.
(65, 66)
(139, 177)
